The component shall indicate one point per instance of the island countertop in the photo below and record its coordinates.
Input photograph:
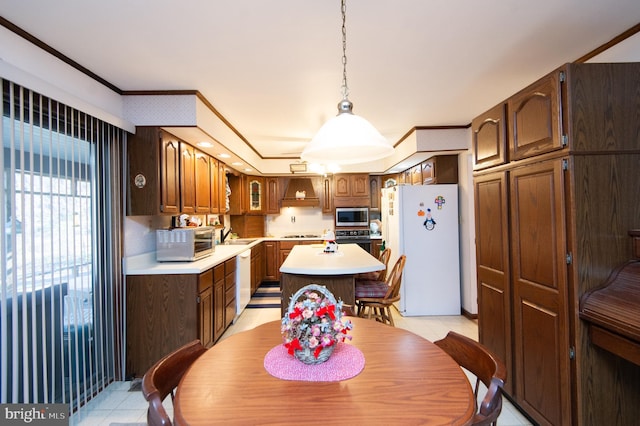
(312, 260)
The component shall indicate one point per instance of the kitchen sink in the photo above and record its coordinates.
(239, 241)
(302, 236)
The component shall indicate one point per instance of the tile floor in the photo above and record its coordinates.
(117, 405)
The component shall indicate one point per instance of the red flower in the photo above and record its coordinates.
(293, 346)
(329, 309)
(296, 312)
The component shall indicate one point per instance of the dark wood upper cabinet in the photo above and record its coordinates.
(375, 193)
(489, 138)
(255, 192)
(351, 190)
(439, 169)
(535, 123)
(153, 163)
(327, 195)
(187, 178)
(216, 200)
(202, 183)
(169, 175)
(272, 187)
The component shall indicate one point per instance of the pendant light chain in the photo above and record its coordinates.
(345, 88)
(346, 133)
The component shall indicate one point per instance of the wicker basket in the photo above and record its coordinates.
(306, 355)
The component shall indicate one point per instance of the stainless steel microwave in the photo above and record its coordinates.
(352, 216)
(184, 244)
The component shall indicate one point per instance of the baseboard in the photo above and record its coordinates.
(469, 315)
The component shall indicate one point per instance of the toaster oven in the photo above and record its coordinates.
(184, 244)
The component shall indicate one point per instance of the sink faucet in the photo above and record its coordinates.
(223, 235)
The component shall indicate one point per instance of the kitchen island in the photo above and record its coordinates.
(309, 264)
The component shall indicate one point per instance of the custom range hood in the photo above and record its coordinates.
(300, 193)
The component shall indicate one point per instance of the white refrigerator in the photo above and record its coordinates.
(422, 222)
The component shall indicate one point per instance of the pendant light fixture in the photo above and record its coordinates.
(346, 138)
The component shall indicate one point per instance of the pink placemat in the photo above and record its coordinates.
(345, 362)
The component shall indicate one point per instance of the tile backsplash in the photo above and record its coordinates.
(298, 220)
(140, 236)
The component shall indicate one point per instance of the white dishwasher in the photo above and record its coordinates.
(243, 281)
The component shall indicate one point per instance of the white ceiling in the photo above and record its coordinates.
(273, 68)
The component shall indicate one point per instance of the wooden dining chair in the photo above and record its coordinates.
(381, 275)
(374, 298)
(163, 377)
(487, 368)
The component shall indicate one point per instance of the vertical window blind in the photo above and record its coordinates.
(61, 291)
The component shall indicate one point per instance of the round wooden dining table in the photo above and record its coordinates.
(406, 380)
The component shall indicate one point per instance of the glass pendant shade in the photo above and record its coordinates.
(346, 139)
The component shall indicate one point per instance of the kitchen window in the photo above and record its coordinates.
(60, 252)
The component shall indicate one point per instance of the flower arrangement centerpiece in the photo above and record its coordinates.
(313, 324)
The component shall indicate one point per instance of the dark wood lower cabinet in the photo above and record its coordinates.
(257, 266)
(219, 304)
(205, 308)
(229, 291)
(271, 264)
(492, 258)
(165, 312)
(540, 295)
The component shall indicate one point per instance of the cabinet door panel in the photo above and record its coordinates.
(255, 195)
(214, 177)
(205, 317)
(273, 196)
(374, 193)
(327, 195)
(218, 308)
(360, 185)
(202, 183)
(535, 126)
(492, 257)
(539, 276)
(343, 187)
(187, 179)
(271, 260)
(169, 176)
(489, 138)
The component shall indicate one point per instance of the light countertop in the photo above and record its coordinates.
(312, 260)
(146, 264)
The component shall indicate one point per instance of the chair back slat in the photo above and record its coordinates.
(488, 369)
(394, 279)
(163, 377)
(384, 257)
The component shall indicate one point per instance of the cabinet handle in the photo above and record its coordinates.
(198, 299)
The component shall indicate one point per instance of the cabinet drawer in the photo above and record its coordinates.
(230, 295)
(218, 273)
(230, 283)
(288, 245)
(230, 266)
(205, 280)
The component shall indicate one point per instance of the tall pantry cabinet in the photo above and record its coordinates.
(557, 187)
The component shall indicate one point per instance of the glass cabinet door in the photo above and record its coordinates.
(255, 195)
